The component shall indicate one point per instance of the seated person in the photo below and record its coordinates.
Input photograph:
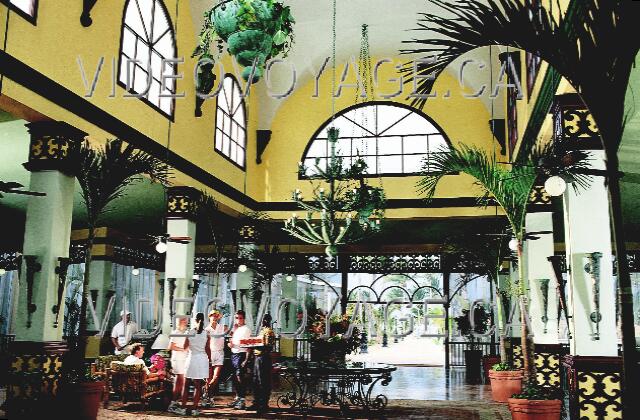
(135, 358)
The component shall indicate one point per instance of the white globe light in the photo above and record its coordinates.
(289, 277)
(161, 247)
(242, 268)
(135, 272)
(513, 244)
(555, 186)
(3, 271)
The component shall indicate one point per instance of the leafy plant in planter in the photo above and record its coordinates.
(481, 320)
(537, 402)
(254, 31)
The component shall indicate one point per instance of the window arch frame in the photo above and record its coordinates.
(33, 19)
(327, 122)
(171, 115)
(242, 166)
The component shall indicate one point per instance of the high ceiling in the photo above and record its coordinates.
(391, 24)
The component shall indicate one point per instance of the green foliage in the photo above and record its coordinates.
(501, 367)
(481, 320)
(533, 391)
(252, 29)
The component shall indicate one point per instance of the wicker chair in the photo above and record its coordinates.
(131, 383)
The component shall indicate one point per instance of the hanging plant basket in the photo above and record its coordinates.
(253, 30)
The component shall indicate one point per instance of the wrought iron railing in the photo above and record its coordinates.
(457, 348)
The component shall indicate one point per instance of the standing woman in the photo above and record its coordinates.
(262, 367)
(197, 365)
(177, 345)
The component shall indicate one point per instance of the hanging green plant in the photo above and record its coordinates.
(254, 31)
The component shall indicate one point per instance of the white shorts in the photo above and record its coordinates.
(179, 366)
(197, 366)
(217, 358)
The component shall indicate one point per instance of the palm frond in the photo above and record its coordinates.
(594, 48)
(105, 172)
(509, 188)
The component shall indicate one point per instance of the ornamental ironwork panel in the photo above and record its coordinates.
(205, 264)
(599, 395)
(182, 203)
(547, 369)
(10, 261)
(138, 258)
(539, 198)
(320, 263)
(402, 263)
(52, 144)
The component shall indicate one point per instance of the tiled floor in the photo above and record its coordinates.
(414, 393)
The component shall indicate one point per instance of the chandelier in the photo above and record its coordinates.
(349, 210)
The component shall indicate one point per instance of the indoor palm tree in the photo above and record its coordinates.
(510, 188)
(104, 173)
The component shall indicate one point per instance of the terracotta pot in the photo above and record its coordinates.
(488, 361)
(504, 384)
(84, 397)
(534, 409)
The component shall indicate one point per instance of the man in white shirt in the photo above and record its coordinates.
(216, 331)
(135, 358)
(239, 359)
(122, 332)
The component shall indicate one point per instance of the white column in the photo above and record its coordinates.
(587, 231)
(539, 273)
(47, 236)
(100, 280)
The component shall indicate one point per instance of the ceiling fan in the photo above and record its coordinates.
(13, 188)
(161, 241)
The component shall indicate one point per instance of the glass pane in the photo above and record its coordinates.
(154, 93)
(240, 157)
(390, 164)
(318, 148)
(142, 55)
(389, 115)
(146, 7)
(413, 124)
(225, 145)
(27, 6)
(242, 138)
(222, 98)
(437, 143)
(346, 127)
(416, 144)
(156, 66)
(343, 147)
(123, 71)
(160, 21)
(140, 81)
(166, 104)
(164, 46)
(413, 163)
(371, 165)
(310, 164)
(234, 132)
(218, 139)
(232, 151)
(389, 146)
(239, 115)
(133, 20)
(363, 146)
(128, 42)
(226, 121)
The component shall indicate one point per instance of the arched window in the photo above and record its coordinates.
(231, 131)
(393, 139)
(147, 42)
(26, 8)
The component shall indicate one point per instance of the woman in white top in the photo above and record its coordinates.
(197, 364)
(178, 361)
(216, 332)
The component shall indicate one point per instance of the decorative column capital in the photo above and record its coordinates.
(52, 146)
(573, 121)
(539, 200)
(182, 203)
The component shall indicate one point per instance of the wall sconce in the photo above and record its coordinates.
(172, 289)
(33, 266)
(194, 290)
(61, 271)
(556, 263)
(592, 267)
(544, 291)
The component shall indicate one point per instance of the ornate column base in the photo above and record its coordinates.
(34, 377)
(593, 386)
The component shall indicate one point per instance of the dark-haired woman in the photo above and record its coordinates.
(197, 365)
(262, 367)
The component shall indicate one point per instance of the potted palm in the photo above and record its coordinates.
(103, 173)
(536, 402)
(254, 31)
(472, 354)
